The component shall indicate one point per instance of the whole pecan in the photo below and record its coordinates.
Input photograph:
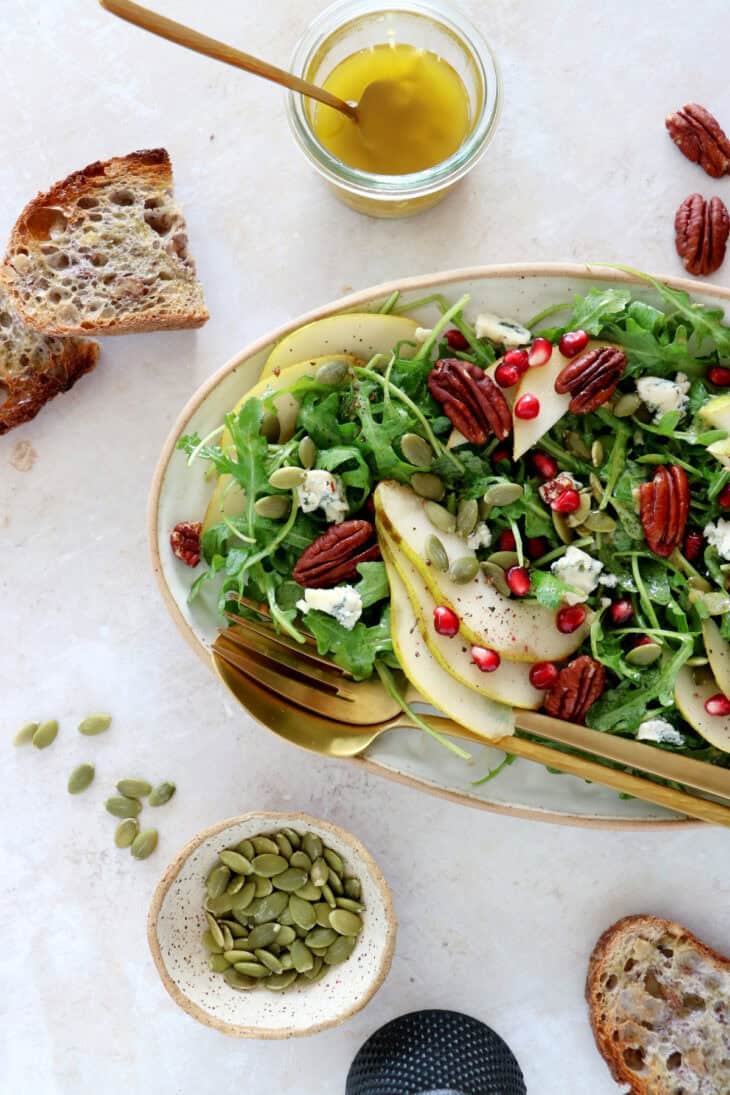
(701, 138)
(663, 509)
(701, 228)
(577, 688)
(334, 556)
(591, 378)
(470, 399)
(185, 542)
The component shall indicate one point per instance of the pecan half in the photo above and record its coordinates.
(663, 509)
(701, 230)
(701, 138)
(591, 378)
(470, 399)
(185, 542)
(334, 556)
(577, 688)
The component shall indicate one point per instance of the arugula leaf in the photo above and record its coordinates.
(548, 589)
(373, 585)
(597, 308)
(354, 650)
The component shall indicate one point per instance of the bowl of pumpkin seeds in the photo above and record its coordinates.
(272, 925)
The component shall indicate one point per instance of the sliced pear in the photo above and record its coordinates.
(509, 684)
(485, 717)
(718, 653)
(721, 451)
(359, 333)
(716, 413)
(540, 381)
(349, 359)
(521, 630)
(690, 696)
(226, 501)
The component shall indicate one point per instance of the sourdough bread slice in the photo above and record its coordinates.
(106, 252)
(34, 367)
(659, 1000)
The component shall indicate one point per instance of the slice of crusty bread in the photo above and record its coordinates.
(34, 367)
(106, 252)
(660, 1008)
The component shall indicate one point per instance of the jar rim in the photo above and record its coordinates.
(415, 183)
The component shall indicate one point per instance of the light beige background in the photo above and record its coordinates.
(497, 915)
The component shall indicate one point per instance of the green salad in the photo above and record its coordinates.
(587, 523)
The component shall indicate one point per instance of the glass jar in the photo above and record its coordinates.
(351, 25)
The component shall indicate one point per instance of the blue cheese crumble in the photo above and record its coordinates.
(717, 534)
(659, 730)
(504, 331)
(481, 537)
(343, 602)
(662, 396)
(578, 569)
(322, 490)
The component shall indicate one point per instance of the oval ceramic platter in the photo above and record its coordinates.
(181, 493)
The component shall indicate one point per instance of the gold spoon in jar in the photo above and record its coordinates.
(219, 51)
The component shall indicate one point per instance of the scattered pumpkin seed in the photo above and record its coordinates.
(427, 485)
(340, 950)
(293, 837)
(436, 554)
(273, 506)
(46, 734)
(322, 914)
(25, 734)
(717, 604)
(218, 880)
(126, 832)
(215, 930)
(239, 933)
(287, 478)
(575, 444)
(335, 882)
(503, 494)
(597, 454)
(238, 955)
(497, 577)
(440, 517)
(263, 935)
(301, 956)
(245, 847)
(302, 913)
(320, 937)
(333, 373)
(319, 872)
(328, 895)
(270, 907)
(349, 903)
(504, 559)
(134, 788)
(353, 888)
(236, 862)
(467, 516)
(317, 971)
(218, 963)
(695, 662)
(416, 450)
(244, 897)
(697, 582)
(95, 724)
(645, 654)
(307, 452)
(308, 892)
(235, 885)
(144, 843)
(285, 936)
(578, 516)
(161, 794)
(270, 427)
(252, 969)
(301, 859)
(293, 878)
(268, 865)
(220, 905)
(596, 487)
(81, 778)
(281, 981)
(264, 887)
(237, 981)
(120, 806)
(464, 570)
(211, 944)
(284, 846)
(562, 527)
(263, 845)
(227, 936)
(484, 509)
(345, 922)
(599, 521)
(627, 405)
(269, 960)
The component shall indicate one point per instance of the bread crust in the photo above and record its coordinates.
(149, 169)
(600, 966)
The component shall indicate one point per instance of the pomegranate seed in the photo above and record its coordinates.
(573, 342)
(485, 659)
(570, 618)
(535, 546)
(527, 406)
(718, 376)
(507, 375)
(501, 453)
(543, 675)
(568, 501)
(718, 705)
(520, 359)
(723, 498)
(506, 541)
(544, 465)
(456, 340)
(694, 544)
(445, 621)
(621, 612)
(519, 581)
(642, 641)
(540, 352)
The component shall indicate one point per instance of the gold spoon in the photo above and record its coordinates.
(219, 51)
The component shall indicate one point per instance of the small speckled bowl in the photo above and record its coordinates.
(176, 923)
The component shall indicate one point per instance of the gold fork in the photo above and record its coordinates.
(311, 702)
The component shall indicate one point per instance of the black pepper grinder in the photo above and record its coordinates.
(435, 1053)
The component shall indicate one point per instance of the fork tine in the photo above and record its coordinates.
(306, 651)
(262, 642)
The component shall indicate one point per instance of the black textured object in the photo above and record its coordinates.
(435, 1053)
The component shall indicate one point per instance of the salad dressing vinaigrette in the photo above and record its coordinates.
(416, 115)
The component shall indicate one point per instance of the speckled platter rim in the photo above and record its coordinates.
(421, 284)
(271, 818)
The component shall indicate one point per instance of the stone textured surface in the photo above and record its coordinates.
(497, 916)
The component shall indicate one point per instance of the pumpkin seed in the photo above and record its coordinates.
(504, 559)
(81, 778)
(270, 961)
(484, 509)
(227, 936)
(270, 427)
(220, 905)
(301, 859)
(236, 862)
(340, 950)
(596, 487)
(144, 843)
(264, 935)
(335, 883)
(244, 897)
(575, 444)
(264, 887)
(440, 517)
(645, 654)
(210, 943)
(281, 981)
(264, 845)
(321, 937)
(235, 885)
(45, 735)
(597, 454)
(119, 806)
(245, 847)
(308, 892)
(215, 930)
(291, 879)
(503, 494)
(134, 788)
(161, 794)
(237, 981)
(95, 724)
(287, 478)
(285, 936)
(696, 582)
(268, 865)
(217, 880)
(464, 570)
(293, 837)
(578, 516)
(301, 956)
(218, 963)
(333, 373)
(270, 907)
(467, 516)
(349, 903)
(328, 895)
(416, 450)
(427, 485)
(126, 832)
(599, 521)
(322, 913)
(436, 554)
(319, 872)
(716, 603)
(345, 922)
(284, 846)
(286, 961)
(238, 932)
(694, 663)
(497, 577)
(251, 969)
(318, 952)
(627, 405)
(317, 971)
(25, 734)
(562, 527)
(302, 912)
(307, 452)
(273, 506)
(353, 888)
